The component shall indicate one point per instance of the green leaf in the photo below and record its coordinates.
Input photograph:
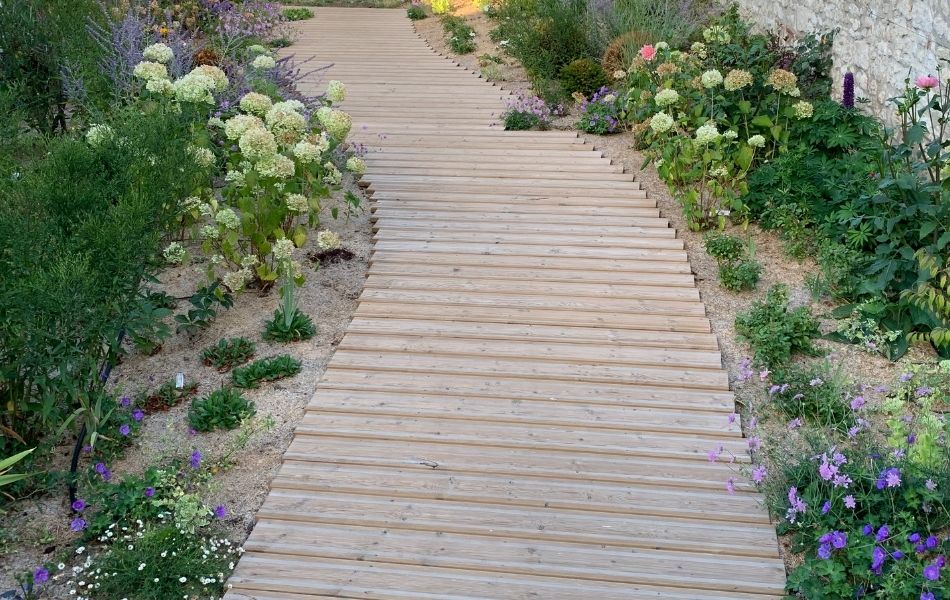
(762, 121)
(744, 160)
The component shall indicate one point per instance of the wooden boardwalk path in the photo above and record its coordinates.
(523, 404)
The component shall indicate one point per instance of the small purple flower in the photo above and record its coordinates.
(755, 442)
(826, 507)
(927, 596)
(103, 471)
(220, 511)
(882, 533)
(932, 572)
(732, 418)
(125, 429)
(149, 492)
(40, 576)
(923, 391)
(931, 542)
(137, 414)
(839, 539)
(878, 556)
(759, 474)
(930, 485)
(912, 439)
(824, 551)
(795, 423)
(913, 538)
(731, 485)
(195, 460)
(897, 554)
(125, 401)
(79, 505)
(713, 454)
(905, 377)
(78, 524)
(858, 402)
(867, 529)
(849, 501)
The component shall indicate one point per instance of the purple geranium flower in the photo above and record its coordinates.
(149, 492)
(78, 524)
(104, 471)
(195, 460)
(125, 429)
(137, 414)
(125, 401)
(79, 505)
(40, 576)
(932, 572)
(220, 511)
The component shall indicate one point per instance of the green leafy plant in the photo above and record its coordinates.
(740, 276)
(228, 353)
(738, 270)
(723, 247)
(460, 34)
(416, 12)
(583, 75)
(602, 113)
(933, 296)
(492, 72)
(265, 369)
(6, 464)
(818, 393)
(288, 324)
(146, 327)
(774, 332)
(224, 408)
(203, 312)
(167, 395)
(297, 13)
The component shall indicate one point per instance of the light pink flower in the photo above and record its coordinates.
(648, 53)
(924, 82)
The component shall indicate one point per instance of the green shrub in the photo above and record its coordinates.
(167, 395)
(281, 329)
(80, 230)
(203, 312)
(526, 112)
(460, 34)
(416, 12)
(228, 353)
(297, 13)
(774, 332)
(740, 276)
(583, 75)
(224, 408)
(723, 247)
(265, 369)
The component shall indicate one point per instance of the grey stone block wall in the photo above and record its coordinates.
(880, 41)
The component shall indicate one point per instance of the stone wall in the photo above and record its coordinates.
(880, 41)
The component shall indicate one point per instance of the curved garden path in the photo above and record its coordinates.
(523, 404)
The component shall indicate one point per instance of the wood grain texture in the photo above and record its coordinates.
(523, 404)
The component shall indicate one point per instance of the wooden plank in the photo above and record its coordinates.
(531, 262)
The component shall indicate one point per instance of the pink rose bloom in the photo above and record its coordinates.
(648, 52)
(925, 82)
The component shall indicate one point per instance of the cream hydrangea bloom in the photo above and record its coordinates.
(235, 127)
(730, 134)
(227, 218)
(283, 249)
(216, 74)
(757, 141)
(699, 49)
(215, 122)
(667, 97)
(235, 177)
(356, 165)
(333, 175)
(278, 166)
(98, 134)
(803, 110)
(174, 253)
(297, 203)
(328, 240)
(661, 122)
(235, 280)
(737, 79)
(210, 232)
(257, 49)
(336, 91)
(782, 80)
(338, 125)
(323, 114)
(147, 71)
(195, 87)
(256, 104)
(659, 46)
(159, 53)
(257, 144)
(203, 156)
(264, 62)
(249, 261)
(285, 123)
(707, 134)
(711, 78)
(307, 152)
(163, 87)
(619, 74)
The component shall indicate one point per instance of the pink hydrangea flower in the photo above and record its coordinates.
(648, 52)
(924, 82)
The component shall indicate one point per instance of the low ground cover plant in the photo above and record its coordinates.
(223, 408)
(265, 369)
(775, 332)
(738, 269)
(527, 112)
(228, 353)
(460, 34)
(298, 13)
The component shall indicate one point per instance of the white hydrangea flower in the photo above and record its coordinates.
(757, 141)
(228, 218)
(333, 175)
(264, 62)
(338, 124)
(711, 78)
(203, 156)
(249, 261)
(356, 165)
(667, 97)
(257, 49)
(163, 87)
(730, 135)
(216, 123)
(283, 248)
(328, 240)
(216, 74)
(286, 124)
(235, 177)
(190, 203)
(98, 134)
(336, 91)
(278, 166)
(210, 232)
(174, 253)
(235, 127)
(235, 280)
(159, 53)
(195, 87)
(661, 122)
(719, 171)
(707, 134)
(256, 104)
(307, 152)
(148, 70)
(803, 110)
(257, 144)
(699, 49)
(297, 203)
(619, 74)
